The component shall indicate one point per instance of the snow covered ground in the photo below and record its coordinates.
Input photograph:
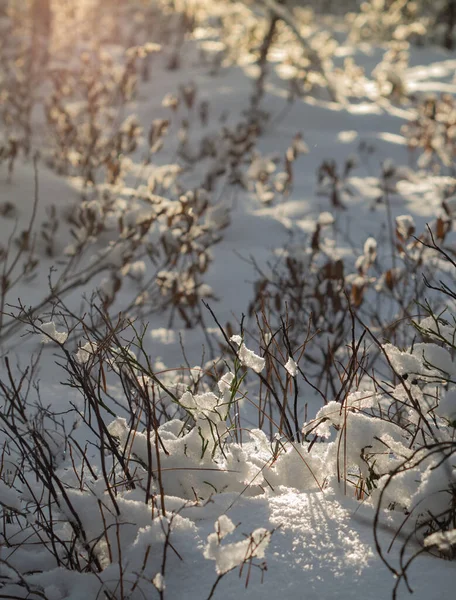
(322, 543)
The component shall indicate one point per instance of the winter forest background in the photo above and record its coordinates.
(227, 299)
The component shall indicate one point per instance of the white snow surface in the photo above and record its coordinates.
(317, 542)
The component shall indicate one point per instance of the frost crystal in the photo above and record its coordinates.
(49, 333)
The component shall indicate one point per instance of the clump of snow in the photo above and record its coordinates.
(86, 352)
(347, 136)
(443, 540)
(9, 497)
(50, 333)
(291, 367)
(201, 404)
(425, 359)
(259, 166)
(326, 218)
(434, 493)
(447, 405)
(136, 270)
(370, 247)
(230, 556)
(405, 226)
(225, 385)
(435, 357)
(223, 526)
(438, 329)
(159, 582)
(163, 335)
(247, 357)
(403, 362)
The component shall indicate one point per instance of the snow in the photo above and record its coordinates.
(227, 495)
(86, 352)
(9, 497)
(291, 367)
(247, 357)
(443, 540)
(50, 333)
(229, 556)
(159, 582)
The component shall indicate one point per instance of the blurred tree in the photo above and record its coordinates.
(449, 17)
(41, 17)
